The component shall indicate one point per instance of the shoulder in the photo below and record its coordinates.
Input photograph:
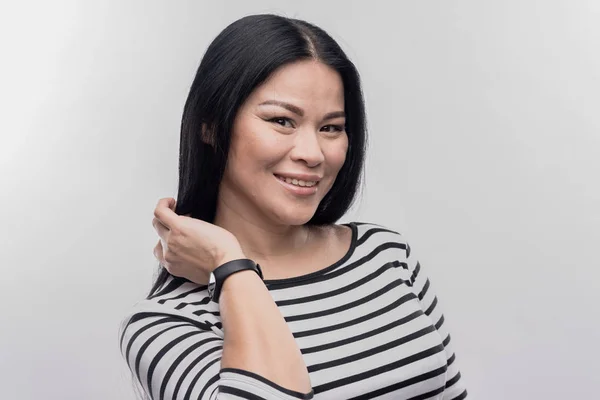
(375, 232)
(178, 300)
(374, 241)
(388, 245)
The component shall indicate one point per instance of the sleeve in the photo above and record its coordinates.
(455, 388)
(175, 357)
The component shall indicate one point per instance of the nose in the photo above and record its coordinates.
(307, 148)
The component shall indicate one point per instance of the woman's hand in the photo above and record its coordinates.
(189, 247)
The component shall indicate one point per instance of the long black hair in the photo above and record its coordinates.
(239, 59)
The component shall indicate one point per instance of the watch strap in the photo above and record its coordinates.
(222, 272)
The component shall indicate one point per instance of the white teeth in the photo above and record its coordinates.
(298, 182)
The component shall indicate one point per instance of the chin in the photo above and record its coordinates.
(295, 217)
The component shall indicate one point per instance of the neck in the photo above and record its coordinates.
(262, 240)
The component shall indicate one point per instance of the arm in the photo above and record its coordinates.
(173, 354)
(258, 356)
(455, 389)
(257, 338)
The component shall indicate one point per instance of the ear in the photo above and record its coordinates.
(207, 135)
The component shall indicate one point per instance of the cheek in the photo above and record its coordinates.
(255, 146)
(336, 155)
(247, 139)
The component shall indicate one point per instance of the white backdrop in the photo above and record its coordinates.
(485, 141)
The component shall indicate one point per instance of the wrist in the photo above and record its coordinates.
(222, 275)
(240, 281)
(228, 255)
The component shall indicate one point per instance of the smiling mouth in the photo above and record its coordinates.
(297, 182)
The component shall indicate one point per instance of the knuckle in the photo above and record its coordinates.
(172, 269)
(169, 257)
(172, 240)
(168, 267)
(175, 230)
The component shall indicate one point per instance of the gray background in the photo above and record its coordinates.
(484, 122)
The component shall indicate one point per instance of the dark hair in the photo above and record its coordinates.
(239, 59)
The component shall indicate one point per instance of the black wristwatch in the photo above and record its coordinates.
(218, 276)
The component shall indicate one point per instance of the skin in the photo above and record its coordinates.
(265, 217)
(258, 218)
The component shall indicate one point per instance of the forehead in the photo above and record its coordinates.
(306, 83)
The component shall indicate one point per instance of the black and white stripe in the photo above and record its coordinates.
(368, 326)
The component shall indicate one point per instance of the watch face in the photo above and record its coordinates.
(259, 271)
(211, 285)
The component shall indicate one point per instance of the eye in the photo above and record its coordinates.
(334, 128)
(283, 121)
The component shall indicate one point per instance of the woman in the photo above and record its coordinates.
(272, 147)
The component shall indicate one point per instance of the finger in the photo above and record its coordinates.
(160, 228)
(165, 214)
(158, 252)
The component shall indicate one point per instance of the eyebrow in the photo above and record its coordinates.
(298, 111)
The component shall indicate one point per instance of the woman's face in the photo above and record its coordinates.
(292, 126)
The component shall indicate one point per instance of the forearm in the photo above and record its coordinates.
(257, 338)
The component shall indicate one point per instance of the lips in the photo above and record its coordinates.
(300, 177)
(297, 189)
(306, 183)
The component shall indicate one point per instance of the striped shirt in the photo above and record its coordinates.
(368, 326)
